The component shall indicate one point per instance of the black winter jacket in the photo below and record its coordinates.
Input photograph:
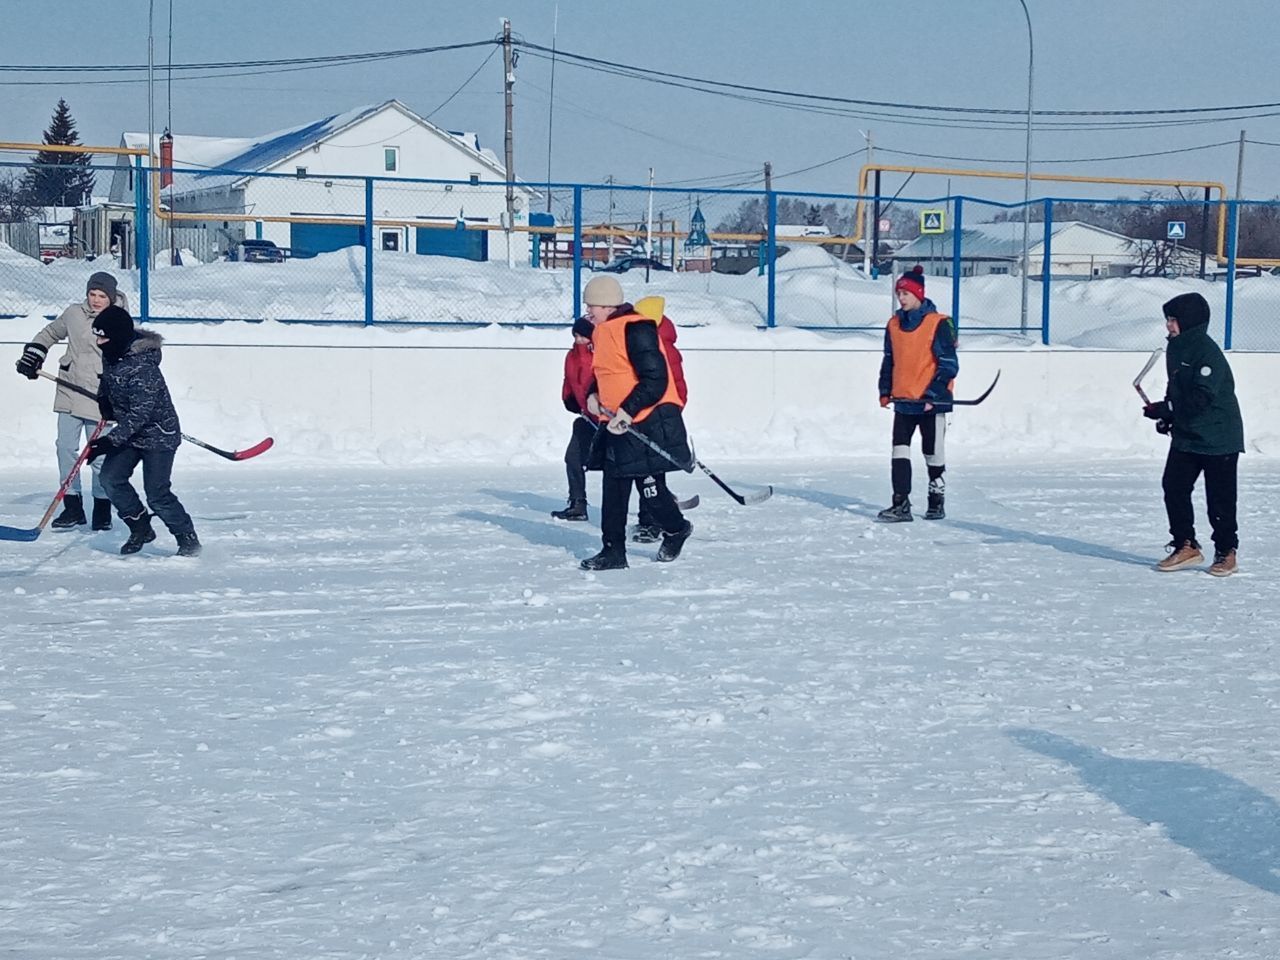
(625, 455)
(1202, 396)
(133, 392)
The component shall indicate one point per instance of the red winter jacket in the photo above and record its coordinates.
(667, 331)
(578, 378)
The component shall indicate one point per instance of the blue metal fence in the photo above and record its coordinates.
(376, 244)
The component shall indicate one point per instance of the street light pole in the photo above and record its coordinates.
(1026, 176)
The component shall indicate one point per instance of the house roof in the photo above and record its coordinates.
(993, 241)
(210, 157)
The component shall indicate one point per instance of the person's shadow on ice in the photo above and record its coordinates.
(1228, 824)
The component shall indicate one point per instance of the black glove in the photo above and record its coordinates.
(1158, 411)
(98, 447)
(1163, 427)
(105, 409)
(32, 359)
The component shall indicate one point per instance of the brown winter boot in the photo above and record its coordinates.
(1181, 556)
(1224, 564)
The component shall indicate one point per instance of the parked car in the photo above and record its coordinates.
(623, 264)
(256, 251)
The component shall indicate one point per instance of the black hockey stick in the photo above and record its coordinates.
(262, 446)
(760, 496)
(954, 403)
(688, 504)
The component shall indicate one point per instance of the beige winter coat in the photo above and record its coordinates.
(81, 363)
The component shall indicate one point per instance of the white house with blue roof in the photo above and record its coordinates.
(1078, 250)
(302, 187)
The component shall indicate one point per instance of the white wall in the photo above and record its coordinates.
(420, 405)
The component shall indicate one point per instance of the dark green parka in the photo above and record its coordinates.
(1202, 390)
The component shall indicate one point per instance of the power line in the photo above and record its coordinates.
(1127, 156)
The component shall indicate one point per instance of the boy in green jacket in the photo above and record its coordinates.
(1202, 415)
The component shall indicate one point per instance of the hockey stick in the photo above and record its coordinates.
(954, 403)
(1137, 381)
(261, 447)
(26, 536)
(760, 496)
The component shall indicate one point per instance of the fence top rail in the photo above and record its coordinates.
(72, 148)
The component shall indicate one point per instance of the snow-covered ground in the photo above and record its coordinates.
(384, 716)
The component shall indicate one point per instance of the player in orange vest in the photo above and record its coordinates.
(917, 376)
(634, 392)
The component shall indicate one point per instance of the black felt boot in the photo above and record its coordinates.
(101, 513)
(72, 514)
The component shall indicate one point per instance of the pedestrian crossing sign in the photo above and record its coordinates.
(932, 221)
(1176, 230)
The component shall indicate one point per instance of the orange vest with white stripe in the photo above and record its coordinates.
(914, 364)
(615, 377)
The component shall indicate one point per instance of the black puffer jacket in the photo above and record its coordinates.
(134, 394)
(626, 455)
(1202, 395)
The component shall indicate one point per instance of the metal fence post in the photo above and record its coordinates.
(771, 252)
(368, 251)
(1233, 220)
(1046, 271)
(956, 227)
(142, 229)
(577, 251)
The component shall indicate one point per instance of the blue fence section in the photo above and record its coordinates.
(319, 248)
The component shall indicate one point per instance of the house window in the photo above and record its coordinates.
(391, 159)
(475, 178)
(999, 271)
(300, 172)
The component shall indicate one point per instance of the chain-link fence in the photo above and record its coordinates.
(311, 247)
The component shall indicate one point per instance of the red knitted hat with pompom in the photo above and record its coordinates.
(912, 281)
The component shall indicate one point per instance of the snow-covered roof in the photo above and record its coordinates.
(1000, 240)
(246, 155)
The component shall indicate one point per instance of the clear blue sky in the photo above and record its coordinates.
(1090, 54)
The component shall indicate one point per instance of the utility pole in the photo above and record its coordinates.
(609, 240)
(508, 85)
(648, 243)
(768, 177)
(1239, 195)
(867, 231)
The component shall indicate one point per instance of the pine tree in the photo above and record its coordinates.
(56, 177)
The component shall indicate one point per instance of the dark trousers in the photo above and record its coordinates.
(157, 470)
(1181, 471)
(616, 502)
(933, 432)
(576, 456)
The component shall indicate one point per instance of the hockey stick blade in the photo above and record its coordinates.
(690, 503)
(1137, 381)
(954, 403)
(17, 535)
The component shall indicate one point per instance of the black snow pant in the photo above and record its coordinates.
(1181, 470)
(157, 471)
(616, 501)
(933, 432)
(576, 456)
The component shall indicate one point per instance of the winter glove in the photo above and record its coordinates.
(1163, 427)
(593, 405)
(105, 410)
(32, 359)
(620, 423)
(98, 447)
(1158, 411)
(884, 401)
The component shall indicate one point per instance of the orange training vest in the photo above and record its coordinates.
(914, 364)
(615, 377)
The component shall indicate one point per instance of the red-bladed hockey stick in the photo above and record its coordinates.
(26, 536)
(261, 447)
